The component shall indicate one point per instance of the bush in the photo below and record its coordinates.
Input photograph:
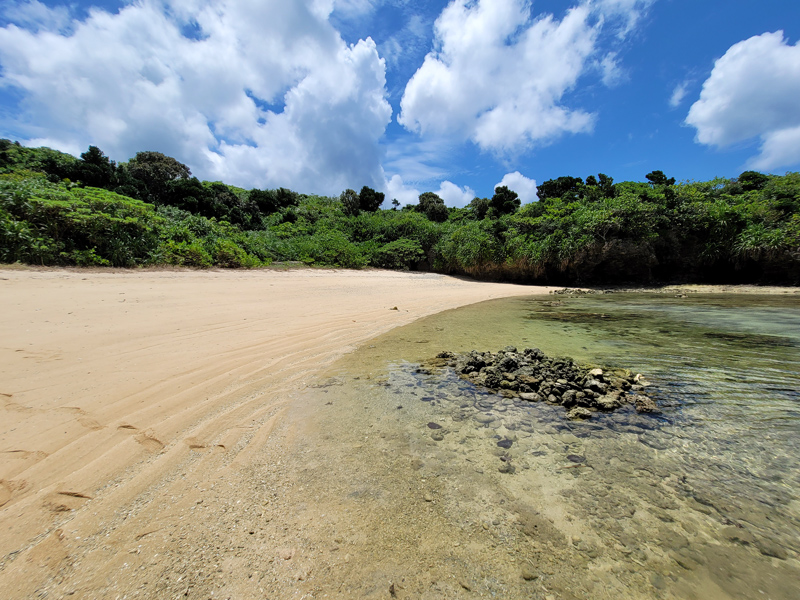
(61, 224)
(184, 254)
(469, 247)
(331, 247)
(229, 255)
(400, 254)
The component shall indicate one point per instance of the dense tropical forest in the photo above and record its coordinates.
(56, 209)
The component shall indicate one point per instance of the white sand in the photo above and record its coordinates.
(110, 380)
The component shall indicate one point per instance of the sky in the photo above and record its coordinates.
(407, 96)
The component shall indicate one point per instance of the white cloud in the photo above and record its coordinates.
(397, 189)
(778, 148)
(452, 194)
(753, 92)
(629, 12)
(35, 15)
(497, 77)
(612, 73)
(678, 94)
(347, 8)
(270, 95)
(524, 187)
(406, 42)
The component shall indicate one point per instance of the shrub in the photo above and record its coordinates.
(229, 255)
(184, 254)
(400, 254)
(331, 247)
(468, 247)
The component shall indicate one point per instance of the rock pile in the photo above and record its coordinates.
(534, 377)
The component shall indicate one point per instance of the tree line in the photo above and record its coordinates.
(57, 209)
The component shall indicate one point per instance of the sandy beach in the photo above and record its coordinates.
(124, 393)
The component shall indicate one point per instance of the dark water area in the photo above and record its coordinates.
(701, 500)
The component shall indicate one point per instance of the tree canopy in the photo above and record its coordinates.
(504, 201)
(432, 206)
(58, 209)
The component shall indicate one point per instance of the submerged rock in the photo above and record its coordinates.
(579, 413)
(532, 376)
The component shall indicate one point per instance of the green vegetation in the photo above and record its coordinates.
(56, 209)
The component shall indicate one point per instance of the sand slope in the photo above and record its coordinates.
(123, 392)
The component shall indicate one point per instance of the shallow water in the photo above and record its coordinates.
(699, 501)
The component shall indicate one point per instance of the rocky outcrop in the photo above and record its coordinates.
(534, 377)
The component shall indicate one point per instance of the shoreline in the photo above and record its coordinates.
(296, 267)
(689, 288)
(126, 389)
(128, 395)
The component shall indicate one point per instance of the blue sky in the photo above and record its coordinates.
(409, 96)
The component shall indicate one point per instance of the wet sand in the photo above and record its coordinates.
(130, 399)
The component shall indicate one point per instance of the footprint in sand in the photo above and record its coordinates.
(90, 423)
(149, 442)
(5, 493)
(195, 444)
(12, 406)
(35, 455)
(51, 552)
(66, 501)
(83, 417)
(8, 487)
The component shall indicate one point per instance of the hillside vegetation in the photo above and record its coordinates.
(56, 209)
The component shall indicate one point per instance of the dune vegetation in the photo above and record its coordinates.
(56, 209)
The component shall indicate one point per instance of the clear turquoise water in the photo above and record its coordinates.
(699, 501)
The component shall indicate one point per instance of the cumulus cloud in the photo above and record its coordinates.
(752, 93)
(497, 77)
(396, 189)
(263, 93)
(778, 148)
(454, 195)
(448, 191)
(524, 187)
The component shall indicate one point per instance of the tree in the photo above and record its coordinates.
(752, 180)
(658, 178)
(568, 188)
(154, 171)
(432, 206)
(225, 205)
(370, 200)
(606, 184)
(504, 201)
(350, 202)
(479, 207)
(95, 169)
(395, 203)
(597, 188)
(187, 194)
(266, 201)
(285, 198)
